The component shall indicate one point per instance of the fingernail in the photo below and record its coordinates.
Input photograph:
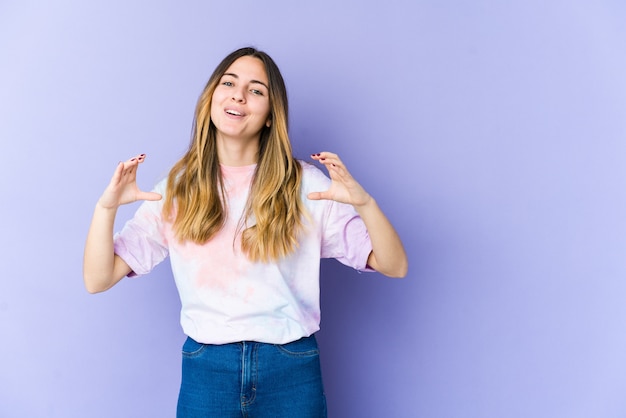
(142, 155)
(133, 159)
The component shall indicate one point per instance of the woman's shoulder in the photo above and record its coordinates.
(310, 170)
(161, 185)
(312, 176)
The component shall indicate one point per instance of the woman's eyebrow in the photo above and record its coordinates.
(251, 81)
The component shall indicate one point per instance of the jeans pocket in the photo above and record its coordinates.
(192, 348)
(302, 348)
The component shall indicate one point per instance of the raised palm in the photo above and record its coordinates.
(122, 188)
(343, 187)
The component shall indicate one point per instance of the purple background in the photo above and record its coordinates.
(492, 135)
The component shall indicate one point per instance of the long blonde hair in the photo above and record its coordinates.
(195, 196)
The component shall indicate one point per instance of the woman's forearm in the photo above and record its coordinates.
(388, 255)
(101, 267)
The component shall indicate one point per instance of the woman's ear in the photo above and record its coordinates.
(268, 122)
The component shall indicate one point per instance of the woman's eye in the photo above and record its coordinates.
(257, 92)
(228, 83)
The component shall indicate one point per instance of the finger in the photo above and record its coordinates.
(316, 196)
(316, 157)
(117, 174)
(325, 156)
(327, 162)
(331, 161)
(130, 166)
(338, 172)
(128, 173)
(138, 159)
(152, 196)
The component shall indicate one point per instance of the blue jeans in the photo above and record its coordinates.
(252, 380)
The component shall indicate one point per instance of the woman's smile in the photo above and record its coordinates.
(240, 106)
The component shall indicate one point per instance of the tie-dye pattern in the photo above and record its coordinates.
(225, 297)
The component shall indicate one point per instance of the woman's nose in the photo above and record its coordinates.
(238, 95)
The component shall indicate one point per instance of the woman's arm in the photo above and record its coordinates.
(102, 268)
(388, 256)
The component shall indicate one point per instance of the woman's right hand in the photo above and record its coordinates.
(123, 187)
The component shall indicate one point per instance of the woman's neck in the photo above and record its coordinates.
(237, 153)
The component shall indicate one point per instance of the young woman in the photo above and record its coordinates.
(245, 225)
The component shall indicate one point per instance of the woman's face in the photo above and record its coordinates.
(240, 106)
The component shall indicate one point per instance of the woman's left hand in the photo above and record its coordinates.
(343, 187)
(388, 255)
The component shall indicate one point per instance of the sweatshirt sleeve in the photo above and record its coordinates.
(345, 237)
